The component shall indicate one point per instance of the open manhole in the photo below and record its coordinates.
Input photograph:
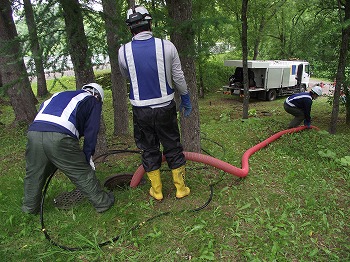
(120, 181)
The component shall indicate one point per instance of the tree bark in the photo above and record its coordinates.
(13, 71)
(119, 89)
(35, 48)
(341, 66)
(81, 58)
(77, 42)
(131, 3)
(181, 12)
(245, 58)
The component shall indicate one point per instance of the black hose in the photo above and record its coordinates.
(43, 228)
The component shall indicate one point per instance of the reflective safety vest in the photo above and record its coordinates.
(299, 99)
(61, 109)
(146, 64)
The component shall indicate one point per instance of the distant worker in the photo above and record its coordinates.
(154, 69)
(299, 105)
(53, 143)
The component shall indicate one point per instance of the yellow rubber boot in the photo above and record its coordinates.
(156, 190)
(178, 176)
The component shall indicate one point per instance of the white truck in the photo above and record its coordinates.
(269, 78)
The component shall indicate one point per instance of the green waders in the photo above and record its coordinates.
(47, 151)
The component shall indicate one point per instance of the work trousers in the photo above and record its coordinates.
(48, 151)
(155, 126)
(298, 114)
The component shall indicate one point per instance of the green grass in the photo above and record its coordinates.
(292, 206)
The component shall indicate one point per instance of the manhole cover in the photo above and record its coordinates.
(67, 200)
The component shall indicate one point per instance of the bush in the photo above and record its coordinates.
(104, 79)
(215, 74)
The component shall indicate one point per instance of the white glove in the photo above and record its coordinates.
(92, 164)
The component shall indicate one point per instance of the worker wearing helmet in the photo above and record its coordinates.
(53, 143)
(299, 105)
(154, 69)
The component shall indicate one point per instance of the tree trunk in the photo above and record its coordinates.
(119, 89)
(12, 68)
(131, 3)
(245, 58)
(77, 42)
(258, 38)
(347, 103)
(201, 82)
(35, 48)
(200, 67)
(341, 67)
(81, 58)
(101, 146)
(181, 11)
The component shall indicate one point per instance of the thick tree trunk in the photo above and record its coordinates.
(341, 68)
(181, 11)
(77, 42)
(12, 68)
(35, 48)
(81, 58)
(119, 89)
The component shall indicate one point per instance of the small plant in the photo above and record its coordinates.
(252, 112)
(225, 117)
(345, 161)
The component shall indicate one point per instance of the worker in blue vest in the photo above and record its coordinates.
(53, 143)
(154, 69)
(299, 105)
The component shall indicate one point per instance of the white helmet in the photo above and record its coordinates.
(137, 16)
(95, 89)
(317, 90)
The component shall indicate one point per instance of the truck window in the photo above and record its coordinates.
(294, 69)
(307, 69)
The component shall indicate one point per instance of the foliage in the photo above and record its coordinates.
(284, 29)
(104, 79)
(215, 74)
(292, 206)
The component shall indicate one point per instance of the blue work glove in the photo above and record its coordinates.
(186, 104)
(307, 123)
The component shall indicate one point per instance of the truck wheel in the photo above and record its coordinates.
(271, 95)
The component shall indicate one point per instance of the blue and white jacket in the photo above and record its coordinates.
(302, 101)
(75, 113)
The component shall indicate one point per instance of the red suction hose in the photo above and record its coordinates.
(228, 168)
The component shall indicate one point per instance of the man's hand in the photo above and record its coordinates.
(186, 105)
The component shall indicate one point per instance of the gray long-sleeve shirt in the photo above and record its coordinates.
(174, 73)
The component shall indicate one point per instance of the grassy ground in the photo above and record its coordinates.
(292, 206)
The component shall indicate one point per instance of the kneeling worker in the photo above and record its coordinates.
(299, 105)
